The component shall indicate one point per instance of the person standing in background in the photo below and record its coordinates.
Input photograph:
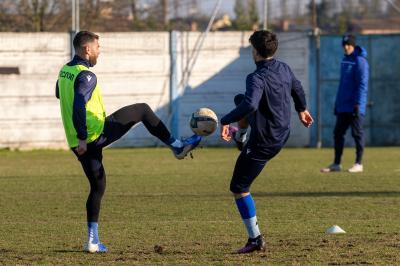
(350, 105)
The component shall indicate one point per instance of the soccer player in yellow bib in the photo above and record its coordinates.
(88, 130)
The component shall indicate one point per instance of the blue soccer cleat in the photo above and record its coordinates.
(189, 144)
(95, 248)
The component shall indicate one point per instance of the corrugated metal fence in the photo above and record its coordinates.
(382, 121)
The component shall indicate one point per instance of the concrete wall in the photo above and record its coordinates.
(29, 112)
(220, 73)
(133, 67)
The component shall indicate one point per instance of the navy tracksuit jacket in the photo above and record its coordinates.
(267, 104)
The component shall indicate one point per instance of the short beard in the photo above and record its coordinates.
(92, 61)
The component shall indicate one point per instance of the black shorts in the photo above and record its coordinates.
(249, 165)
(112, 131)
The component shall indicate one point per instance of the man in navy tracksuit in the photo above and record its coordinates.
(265, 106)
(350, 103)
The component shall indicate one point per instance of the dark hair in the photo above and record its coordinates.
(83, 37)
(349, 39)
(265, 42)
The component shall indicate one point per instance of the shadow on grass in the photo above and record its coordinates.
(69, 251)
(330, 194)
(300, 194)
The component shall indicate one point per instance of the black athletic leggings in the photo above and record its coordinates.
(116, 125)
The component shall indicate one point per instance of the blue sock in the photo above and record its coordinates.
(93, 235)
(247, 209)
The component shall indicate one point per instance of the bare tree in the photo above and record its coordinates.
(5, 16)
(91, 11)
(35, 13)
(284, 10)
(134, 10)
(176, 8)
(164, 5)
(194, 7)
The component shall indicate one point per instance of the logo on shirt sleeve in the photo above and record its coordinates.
(88, 78)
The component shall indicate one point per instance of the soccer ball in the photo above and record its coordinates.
(203, 122)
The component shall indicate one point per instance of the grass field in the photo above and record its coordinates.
(185, 206)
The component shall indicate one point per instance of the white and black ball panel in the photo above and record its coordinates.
(204, 122)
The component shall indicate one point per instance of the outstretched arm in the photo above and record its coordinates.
(248, 105)
(254, 91)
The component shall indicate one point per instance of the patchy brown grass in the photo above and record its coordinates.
(185, 207)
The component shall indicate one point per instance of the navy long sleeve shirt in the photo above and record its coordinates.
(84, 85)
(267, 104)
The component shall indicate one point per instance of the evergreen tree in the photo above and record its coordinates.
(253, 14)
(242, 21)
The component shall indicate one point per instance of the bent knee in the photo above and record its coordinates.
(143, 106)
(357, 135)
(238, 189)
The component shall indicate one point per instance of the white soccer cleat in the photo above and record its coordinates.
(95, 248)
(332, 168)
(356, 168)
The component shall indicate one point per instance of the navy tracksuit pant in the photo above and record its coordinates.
(343, 121)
